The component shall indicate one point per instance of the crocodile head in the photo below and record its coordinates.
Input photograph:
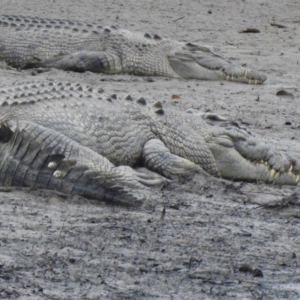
(195, 61)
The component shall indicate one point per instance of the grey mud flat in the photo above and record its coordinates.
(196, 240)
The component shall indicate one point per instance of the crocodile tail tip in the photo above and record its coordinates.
(124, 197)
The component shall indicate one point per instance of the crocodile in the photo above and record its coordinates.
(32, 42)
(76, 139)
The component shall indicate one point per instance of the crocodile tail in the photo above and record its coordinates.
(27, 160)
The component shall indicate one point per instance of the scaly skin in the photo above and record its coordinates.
(78, 140)
(29, 42)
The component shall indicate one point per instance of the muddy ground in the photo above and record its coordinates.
(215, 240)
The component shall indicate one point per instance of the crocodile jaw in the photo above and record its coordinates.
(192, 67)
(231, 165)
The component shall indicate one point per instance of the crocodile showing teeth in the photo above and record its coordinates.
(68, 137)
(31, 42)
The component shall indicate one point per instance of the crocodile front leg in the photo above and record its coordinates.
(158, 158)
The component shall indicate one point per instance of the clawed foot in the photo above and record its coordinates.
(139, 178)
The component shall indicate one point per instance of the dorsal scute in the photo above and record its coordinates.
(70, 93)
(157, 104)
(155, 36)
(29, 92)
(141, 101)
(159, 111)
(129, 98)
(20, 22)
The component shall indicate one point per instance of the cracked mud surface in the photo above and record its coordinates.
(199, 240)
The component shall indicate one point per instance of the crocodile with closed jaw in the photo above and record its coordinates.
(30, 42)
(76, 139)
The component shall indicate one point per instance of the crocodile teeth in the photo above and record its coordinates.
(249, 82)
(298, 178)
(256, 81)
(227, 78)
(246, 73)
(273, 173)
(291, 168)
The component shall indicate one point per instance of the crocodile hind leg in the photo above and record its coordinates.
(97, 62)
(34, 156)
